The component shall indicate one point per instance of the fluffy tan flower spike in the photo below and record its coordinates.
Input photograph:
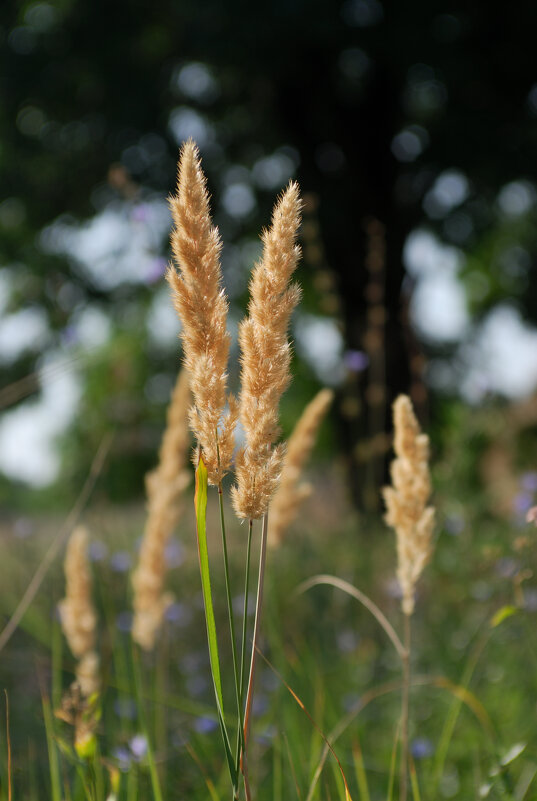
(265, 358)
(165, 486)
(291, 493)
(202, 307)
(77, 614)
(406, 501)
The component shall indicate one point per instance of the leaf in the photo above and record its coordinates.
(502, 614)
(512, 754)
(200, 504)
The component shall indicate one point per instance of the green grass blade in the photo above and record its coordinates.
(414, 781)
(200, 503)
(54, 765)
(153, 772)
(359, 768)
(393, 765)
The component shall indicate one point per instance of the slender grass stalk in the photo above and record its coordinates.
(230, 611)
(393, 764)
(132, 783)
(200, 504)
(8, 741)
(416, 795)
(54, 764)
(257, 626)
(361, 776)
(161, 687)
(452, 717)
(153, 772)
(240, 735)
(405, 700)
(255, 641)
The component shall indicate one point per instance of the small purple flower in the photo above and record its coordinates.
(205, 725)
(528, 481)
(530, 599)
(191, 663)
(155, 270)
(124, 621)
(259, 705)
(521, 503)
(23, 528)
(454, 524)
(174, 553)
(138, 746)
(125, 708)
(507, 567)
(69, 335)
(355, 360)
(179, 613)
(140, 213)
(266, 737)
(120, 561)
(123, 757)
(97, 551)
(421, 748)
(196, 685)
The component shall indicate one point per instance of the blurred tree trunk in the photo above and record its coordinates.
(348, 163)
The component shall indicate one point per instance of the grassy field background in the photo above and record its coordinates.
(473, 706)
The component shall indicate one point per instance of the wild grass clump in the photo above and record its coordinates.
(129, 718)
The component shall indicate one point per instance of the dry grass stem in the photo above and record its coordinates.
(201, 304)
(265, 358)
(291, 492)
(406, 501)
(165, 486)
(77, 613)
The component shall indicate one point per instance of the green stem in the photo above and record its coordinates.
(404, 712)
(231, 618)
(240, 734)
(253, 661)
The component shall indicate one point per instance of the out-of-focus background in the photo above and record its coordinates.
(412, 129)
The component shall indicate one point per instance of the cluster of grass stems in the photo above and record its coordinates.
(267, 479)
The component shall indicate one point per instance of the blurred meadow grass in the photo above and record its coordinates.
(322, 643)
(326, 716)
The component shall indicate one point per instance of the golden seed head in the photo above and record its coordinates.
(406, 500)
(291, 491)
(77, 613)
(265, 358)
(164, 486)
(202, 306)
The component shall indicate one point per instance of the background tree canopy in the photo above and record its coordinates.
(411, 128)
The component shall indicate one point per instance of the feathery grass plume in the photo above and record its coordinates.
(201, 304)
(290, 493)
(77, 613)
(406, 501)
(164, 486)
(265, 358)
